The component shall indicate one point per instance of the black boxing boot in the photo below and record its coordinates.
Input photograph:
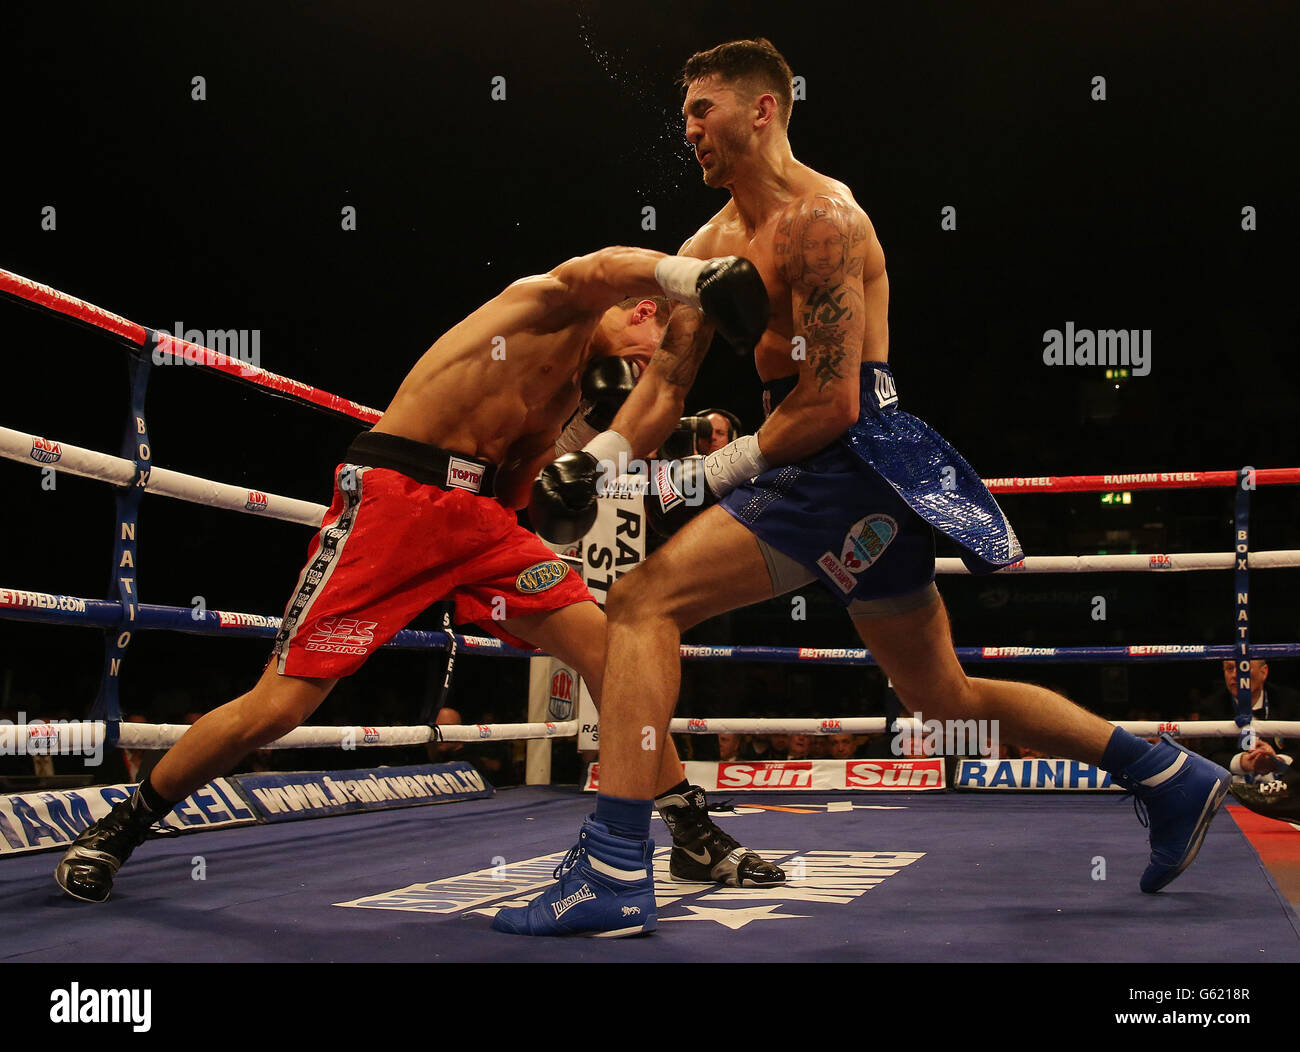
(704, 854)
(87, 868)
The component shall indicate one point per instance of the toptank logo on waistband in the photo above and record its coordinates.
(464, 474)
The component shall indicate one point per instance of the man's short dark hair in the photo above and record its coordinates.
(756, 62)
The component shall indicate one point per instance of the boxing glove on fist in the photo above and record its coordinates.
(562, 506)
(728, 289)
(678, 492)
(606, 385)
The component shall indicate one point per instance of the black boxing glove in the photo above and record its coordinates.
(686, 438)
(678, 492)
(729, 290)
(562, 505)
(606, 383)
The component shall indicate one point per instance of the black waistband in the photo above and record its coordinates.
(424, 463)
(876, 382)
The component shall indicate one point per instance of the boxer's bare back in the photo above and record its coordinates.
(508, 371)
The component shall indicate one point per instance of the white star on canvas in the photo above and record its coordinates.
(738, 918)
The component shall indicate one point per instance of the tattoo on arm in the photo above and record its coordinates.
(820, 248)
(682, 348)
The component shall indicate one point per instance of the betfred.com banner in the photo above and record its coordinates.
(819, 775)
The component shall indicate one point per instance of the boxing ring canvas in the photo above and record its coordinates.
(907, 877)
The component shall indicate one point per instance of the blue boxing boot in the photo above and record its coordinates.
(1179, 791)
(606, 889)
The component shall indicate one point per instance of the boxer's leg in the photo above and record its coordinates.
(275, 706)
(606, 888)
(576, 635)
(702, 851)
(914, 649)
(712, 565)
(1181, 791)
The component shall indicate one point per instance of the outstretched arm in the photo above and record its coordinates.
(598, 280)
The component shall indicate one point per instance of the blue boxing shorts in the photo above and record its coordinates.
(860, 515)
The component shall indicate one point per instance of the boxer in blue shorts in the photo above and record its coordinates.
(840, 485)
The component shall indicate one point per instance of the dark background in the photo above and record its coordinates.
(225, 213)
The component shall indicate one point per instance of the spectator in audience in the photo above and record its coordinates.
(800, 747)
(726, 428)
(757, 747)
(441, 752)
(779, 746)
(1268, 701)
(875, 747)
(729, 747)
(842, 746)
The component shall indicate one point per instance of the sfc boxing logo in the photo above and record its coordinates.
(541, 577)
(343, 636)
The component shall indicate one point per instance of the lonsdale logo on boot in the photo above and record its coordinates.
(565, 904)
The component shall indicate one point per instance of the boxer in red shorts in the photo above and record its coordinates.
(422, 511)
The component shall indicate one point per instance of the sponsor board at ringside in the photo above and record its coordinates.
(41, 820)
(312, 794)
(884, 775)
(1069, 775)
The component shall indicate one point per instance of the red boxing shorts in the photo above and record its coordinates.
(389, 547)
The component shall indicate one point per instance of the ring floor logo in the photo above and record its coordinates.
(816, 880)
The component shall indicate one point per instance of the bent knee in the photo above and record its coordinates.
(633, 597)
(953, 697)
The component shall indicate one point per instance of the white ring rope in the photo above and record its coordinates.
(1273, 560)
(83, 736)
(87, 463)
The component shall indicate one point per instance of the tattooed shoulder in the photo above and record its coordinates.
(820, 241)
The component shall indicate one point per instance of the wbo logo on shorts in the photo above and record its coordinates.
(541, 577)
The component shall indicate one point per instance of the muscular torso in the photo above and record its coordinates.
(501, 383)
(726, 234)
